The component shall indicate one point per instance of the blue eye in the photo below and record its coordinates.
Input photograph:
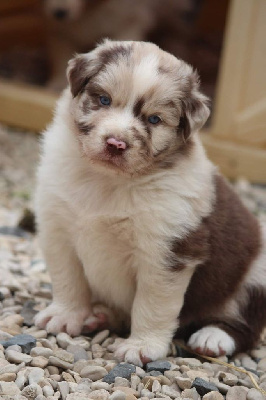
(154, 119)
(105, 100)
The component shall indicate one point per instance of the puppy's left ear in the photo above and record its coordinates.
(80, 70)
(195, 109)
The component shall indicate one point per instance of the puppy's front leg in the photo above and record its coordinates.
(154, 318)
(71, 295)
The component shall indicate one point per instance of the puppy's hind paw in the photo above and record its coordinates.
(56, 318)
(212, 341)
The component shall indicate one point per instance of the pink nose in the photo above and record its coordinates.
(118, 144)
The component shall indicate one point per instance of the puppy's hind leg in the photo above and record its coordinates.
(71, 294)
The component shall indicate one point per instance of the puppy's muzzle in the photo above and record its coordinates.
(115, 147)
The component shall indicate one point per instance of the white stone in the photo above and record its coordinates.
(48, 390)
(254, 394)
(64, 389)
(100, 337)
(93, 372)
(17, 358)
(213, 396)
(9, 388)
(121, 382)
(237, 393)
(36, 375)
(118, 395)
(32, 391)
(99, 395)
(41, 351)
(183, 383)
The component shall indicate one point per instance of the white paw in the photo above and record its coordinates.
(212, 341)
(139, 351)
(56, 318)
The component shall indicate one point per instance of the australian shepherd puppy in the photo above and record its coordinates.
(136, 225)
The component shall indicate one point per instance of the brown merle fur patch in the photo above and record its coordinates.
(230, 238)
(115, 53)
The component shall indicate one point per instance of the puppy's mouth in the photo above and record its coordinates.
(112, 156)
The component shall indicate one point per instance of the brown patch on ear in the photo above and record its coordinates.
(195, 110)
(76, 74)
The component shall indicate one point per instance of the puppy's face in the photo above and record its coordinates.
(135, 107)
(64, 10)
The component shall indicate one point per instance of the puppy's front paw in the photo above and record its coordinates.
(55, 318)
(212, 341)
(141, 351)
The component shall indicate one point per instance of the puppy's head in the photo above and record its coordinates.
(64, 10)
(136, 108)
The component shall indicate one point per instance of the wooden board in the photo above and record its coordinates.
(236, 160)
(25, 106)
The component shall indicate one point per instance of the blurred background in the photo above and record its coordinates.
(222, 39)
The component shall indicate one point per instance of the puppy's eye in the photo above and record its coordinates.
(105, 101)
(154, 119)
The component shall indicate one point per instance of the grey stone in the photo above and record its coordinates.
(78, 352)
(124, 370)
(203, 387)
(153, 373)
(25, 341)
(28, 312)
(161, 366)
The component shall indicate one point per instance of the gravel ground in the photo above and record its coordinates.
(37, 365)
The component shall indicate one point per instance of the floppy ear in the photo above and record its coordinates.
(80, 70)
(195, 110)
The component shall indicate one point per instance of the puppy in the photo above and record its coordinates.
(136, 224)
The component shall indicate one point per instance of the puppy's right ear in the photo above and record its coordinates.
(80, 70)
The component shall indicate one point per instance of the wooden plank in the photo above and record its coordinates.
(235, 160)
(25, 106)
(230, 83)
